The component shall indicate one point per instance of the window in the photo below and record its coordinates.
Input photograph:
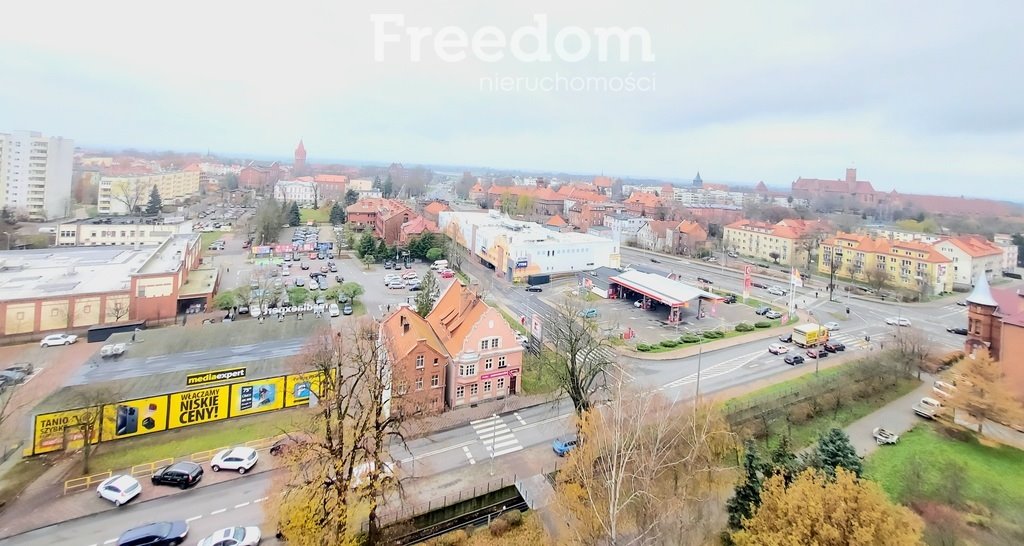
(501, 383)
(467, 370)
(472, 389)
(487, 387)
(494, 343)
(460, 392)
(419, 383)
(434, 380)
(435, 362)
(489, 363)
(419, 362)
(501, 362)
(483, 344)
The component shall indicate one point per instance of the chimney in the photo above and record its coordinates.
(851, 176)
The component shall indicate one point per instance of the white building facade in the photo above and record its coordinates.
(1010, 257)
(300, 191)
(971, 260)
(118, 194)
(35, 174)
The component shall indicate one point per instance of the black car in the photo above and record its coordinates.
(162, 533)
(793, 360)
(762, 310)
(756, 284)
(957, 330)
(729, 299)
(786, 338)
(339, 278)
(304, 266)
(655, 261)
(282, 446)
(835, 347)
(705, 281)
(183, 474)
(534, 289)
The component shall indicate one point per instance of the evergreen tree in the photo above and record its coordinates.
(835, 450)
(783, 461)
(337, 214)
(747, 497)
(294, 218)
(387, 187)
(155, 205)
(366, 245)
(382, 250)
(425, 299)
(351, 196)
(376, 182)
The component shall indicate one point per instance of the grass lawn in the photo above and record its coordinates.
(123, 454)
(921, 463)
(785, 386)
(358, 308)
(208, 237)
(514, 323)
(538, 378)
(320, 215)
(18, 477)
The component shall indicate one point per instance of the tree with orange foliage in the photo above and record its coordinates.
(981, 391)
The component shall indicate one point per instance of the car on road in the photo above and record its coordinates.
(183, 474)
(762, 310)
(893, 321)
(655, 261)
(710, 259)
(816, 353)
(233, 536)
(588, 313)
(347, 309)
(961, 303)
(161, 533)
(448, 274)
(831, 326)
(58, 339)
(240, 459)
(793, 360)
(772, 314)
(777, 349)
(562, 446)
(119, 489)
(834, 347)
(777, 291)
(534, 289)
(729, 299)
(758, 284)
(786, 338)
(957, 330)
(704, 280)
(333, 310)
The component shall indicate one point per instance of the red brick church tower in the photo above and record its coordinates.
(984, 329)
(299, 168)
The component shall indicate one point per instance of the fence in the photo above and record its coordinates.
(146, 469)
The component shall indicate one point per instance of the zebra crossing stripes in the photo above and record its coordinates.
(495, 436)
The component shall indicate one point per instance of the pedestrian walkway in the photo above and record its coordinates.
(495, 436)
(896, 416)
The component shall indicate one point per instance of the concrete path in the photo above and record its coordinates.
(896, 416)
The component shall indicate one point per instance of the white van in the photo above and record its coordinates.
(439, 265)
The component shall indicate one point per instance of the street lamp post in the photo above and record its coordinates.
(837, 260)
(700, 352)
(494, 434)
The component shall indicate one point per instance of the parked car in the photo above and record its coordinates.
(893, 321)
(534, 289)
(414, 286)
(333, 267)
(282, 446)
(814, 352)
(410, 275)
(119, 489)
(162, 533)
(777, 349)
(300, 282)
(388, 264)
(320, 300)
(777, 291)
(396, 284)
(58, 339)
(588, 313)
(347, 309)
(324, 269)
(729, 299)
(112, 349)
(448, 274)
(339, 278)
(333, 310)
(794, 360)
(762, 310)
(521, 339)
(390, 277)
(562, 446)
(22, 367)
(183, 474)
(240, 459)
(961, 303)
(957, 330)
(772, 314)
(233, 536)
(834, 347)
(304, 266)
(831, 326)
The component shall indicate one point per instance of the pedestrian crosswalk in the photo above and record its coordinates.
(954, 307)
(495, 436)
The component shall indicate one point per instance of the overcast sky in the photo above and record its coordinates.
(921, 96)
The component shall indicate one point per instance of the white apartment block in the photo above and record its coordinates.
(300, 191)
(117, 192)
(121, 230)
(1005, 242)
(35, 174)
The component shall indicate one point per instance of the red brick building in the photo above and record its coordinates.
(418, 361)
(259, 177)
(390, 216)
(331, 187)
(299, 167)
(995, 321)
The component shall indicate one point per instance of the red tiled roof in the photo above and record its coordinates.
(555, 221)
(330, 179)
(454, 315)
(866, 244)
(603, 181)
(691, 227)
(435, 208)
(399, 342)
(976, 246)
(644, 198)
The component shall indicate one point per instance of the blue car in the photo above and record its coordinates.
(588, 313)
(562, 446)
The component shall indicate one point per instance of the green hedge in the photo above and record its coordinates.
(669, 343)
(744, 327)
(643, 347)
(763, 324)
(690, 338)
(713, 334)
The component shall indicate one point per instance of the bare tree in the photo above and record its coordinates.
(582, 357)
(130, 194)
(913, 347)
(88, 417)
(454, 253)
(877, 278)
(118, 310)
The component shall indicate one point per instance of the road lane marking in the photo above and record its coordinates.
(221, 511)
(193, 518)
(469, 455)
(518, 417)
(243, 505)
(437, 451)
(261, 499)
(111, 541)
(506, 451)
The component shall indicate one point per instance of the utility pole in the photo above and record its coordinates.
(700, 353)
(837, 260)
(494, 433)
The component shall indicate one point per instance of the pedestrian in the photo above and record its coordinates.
(815, 294)
(389, 308)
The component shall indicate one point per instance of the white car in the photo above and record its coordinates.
(776, 291)
(58, 339)
(390, 277)
(893, 321)
(333, 310)
(233, 536)
(523, 340)
(777, 349)
(361, 472)
(119, 489)
(831, 326)
(236, 458)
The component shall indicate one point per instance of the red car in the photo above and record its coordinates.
(816, 353)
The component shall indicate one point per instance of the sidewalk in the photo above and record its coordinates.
(896, 416)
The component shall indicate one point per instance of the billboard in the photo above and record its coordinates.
(135, 417)
(199, 406)
(51, 430)
(299, 387)
(257, 396)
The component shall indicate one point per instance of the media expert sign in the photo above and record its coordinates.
(135, 417)
(52, 428)
(213, 377)
(199, 406)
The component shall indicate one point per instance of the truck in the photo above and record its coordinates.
(809, 335)
(534, 280)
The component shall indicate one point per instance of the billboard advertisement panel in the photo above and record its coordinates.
(135, 417)
(198, 406)
(299, 387)
(257, 396)
(51, 429)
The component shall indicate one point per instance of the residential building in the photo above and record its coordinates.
(626, 224)
(391, 215)
(418, 361)
(788, 242)
(35, 174)
(117, 194)
(431, 211)
(517, 249)
(363, 213)
(303, 192)
(720, 215)
(477, 192)
(657, 235)
(259, 177)
(1010, 258)
(972, 255)
(604, 184)
(912, 266)
(121, 230)
(646, 204)
(995, 322)
(69, 289)
(331, 187)
(902, 235)
(486, 359)
(415, 227)
(364, 187)
(690, 237)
